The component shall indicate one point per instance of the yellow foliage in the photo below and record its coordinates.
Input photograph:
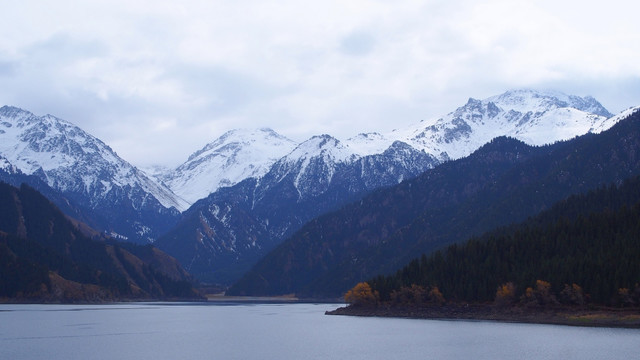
(417, 295)
(505, 295)
(624, 297)
(529, 293)
(436, 296)
(543, 287)
(542, 295)
(572, 294)
(361, 294)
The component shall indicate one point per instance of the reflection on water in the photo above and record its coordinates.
(283, 331)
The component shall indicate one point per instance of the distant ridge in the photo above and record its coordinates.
(221, 236)
(502, 182)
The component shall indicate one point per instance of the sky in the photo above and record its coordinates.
(157, 80)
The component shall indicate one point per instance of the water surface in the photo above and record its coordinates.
(284, 331)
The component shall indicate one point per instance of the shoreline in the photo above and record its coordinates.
(205, 299)
(588, 317)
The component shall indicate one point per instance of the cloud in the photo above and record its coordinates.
(357, 44)
(223, 90)
(157, 80)
(7, 68)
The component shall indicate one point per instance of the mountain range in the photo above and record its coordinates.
(221, 236)
(534, 117)
(504, 181)
(243, 194)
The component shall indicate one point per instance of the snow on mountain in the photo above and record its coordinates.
(233, 157)
(156, 171)
(220, 236)
(69, 158)
(614, 119)
(310, 166)
(115, 196)
(325, 146)
(535, 117)
(314, 163)
(368, 144)
(7, 167)
(526, 100)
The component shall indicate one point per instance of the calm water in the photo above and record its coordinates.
(289, 331)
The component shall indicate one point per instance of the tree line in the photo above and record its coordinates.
(584, 250)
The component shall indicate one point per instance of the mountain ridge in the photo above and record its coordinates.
(249, 189)
(536, 117)
(323, 174)
(121, 199)
(234, 156)
(387, 228)
(46, 257)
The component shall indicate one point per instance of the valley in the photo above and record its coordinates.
(265, 216)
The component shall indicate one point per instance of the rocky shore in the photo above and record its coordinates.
(602, 317)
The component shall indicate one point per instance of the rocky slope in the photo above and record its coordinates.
(118, 197)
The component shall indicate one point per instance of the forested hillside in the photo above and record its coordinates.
(45, 257)
(584, 249)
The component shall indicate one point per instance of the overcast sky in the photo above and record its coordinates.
(157, 80)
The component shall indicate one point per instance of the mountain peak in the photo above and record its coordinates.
(12, 111)
(528, 98)
(240, 136)
(83, 168)
(473, 102)
(365, 144)
(533, 116)
(234, 156)
(325, 146)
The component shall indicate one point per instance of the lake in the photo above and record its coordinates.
(284, 331)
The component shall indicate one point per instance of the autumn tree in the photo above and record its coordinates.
(572, 295)
(436, 297)
(506, 294)
(542, 295)
(361, 295)
(624, 297)
(416, 295)
(410, 295)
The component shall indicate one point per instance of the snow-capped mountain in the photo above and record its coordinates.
(534, 117)
(81, 167)
(369, 143)
(221, 235)
(605, 125)
(233, 157)
(313, 164)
